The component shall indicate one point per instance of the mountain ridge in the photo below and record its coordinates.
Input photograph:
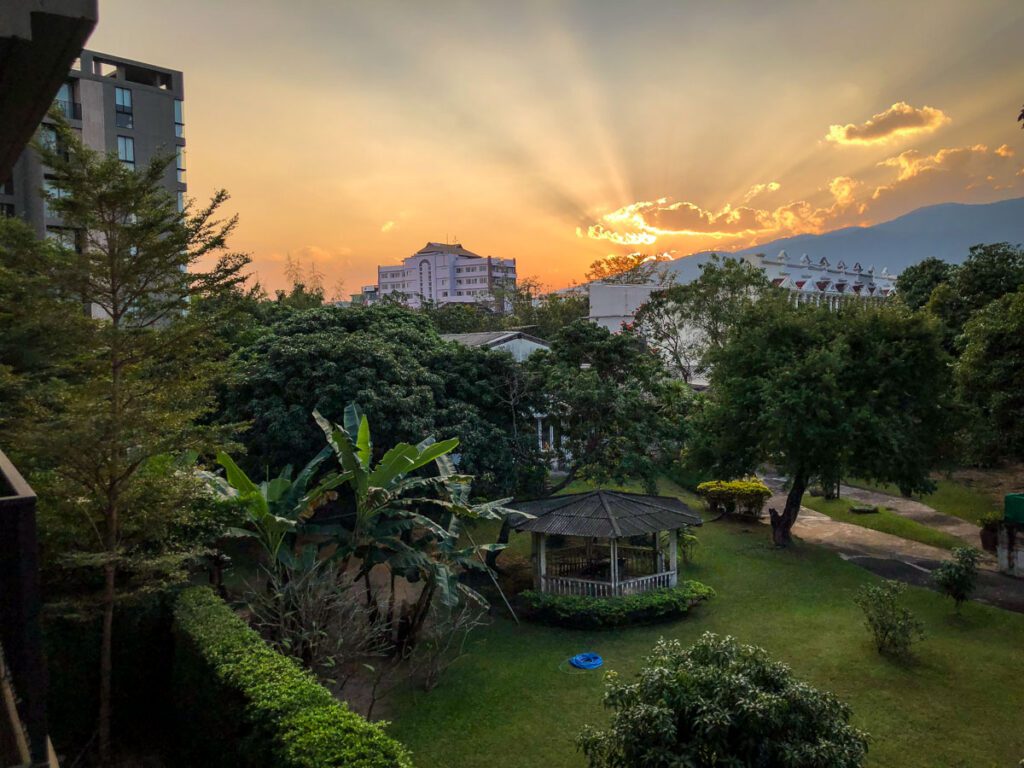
(945, 230)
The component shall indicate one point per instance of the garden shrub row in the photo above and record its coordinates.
(579, 612)
(240, 703)
(746, 496)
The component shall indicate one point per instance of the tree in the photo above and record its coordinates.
(990, 272)
(542, 313)
(628, 268)
(821, 394)
(719, 703)
(915, 284)
(143, 372)
(618, 412)
(684, 322)
(989, 375)
(391, 361)
(957, 577)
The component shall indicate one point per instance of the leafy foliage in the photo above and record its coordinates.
(618, 412)
(915, 284)
(577, 612)
(628, 269)
(859, 391)
(243, 704)
(746, 496)
(893, 626)
(989, 375)
(719, 703)
(685, 322)
(957, 577)
(410, 383)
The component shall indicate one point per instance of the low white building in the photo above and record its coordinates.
(442, 273)
(518, 344)
(613, 305)
(821, 282)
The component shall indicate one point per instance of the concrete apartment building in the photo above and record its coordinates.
(116, 105)
(443, 273)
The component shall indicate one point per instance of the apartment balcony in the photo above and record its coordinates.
(72, 109)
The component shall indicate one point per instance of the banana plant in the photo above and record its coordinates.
(276, 510)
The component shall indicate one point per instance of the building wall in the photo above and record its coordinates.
(613, 305)
(445, 274)
(520, 348)
(154, 91)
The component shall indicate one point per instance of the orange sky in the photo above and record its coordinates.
(350, 133)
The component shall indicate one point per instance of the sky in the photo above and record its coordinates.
(351, 133)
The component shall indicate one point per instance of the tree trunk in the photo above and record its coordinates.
(569, 477)
(106, 662)
(782, 525)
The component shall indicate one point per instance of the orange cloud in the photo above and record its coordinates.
(387, 226)
(897, 122)
(1005, 151)
(757, 189)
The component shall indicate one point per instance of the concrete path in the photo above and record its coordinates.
(915, 510)
(893, 557)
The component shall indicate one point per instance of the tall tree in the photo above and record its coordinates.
(861, 391)
(143, 371)
(617, 411)
(629, 268)
(990, 373)
(915, 284)
(685, 321)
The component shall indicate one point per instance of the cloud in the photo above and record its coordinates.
(1005, 151)
(387, 226)
(757, 189)
(898, 121)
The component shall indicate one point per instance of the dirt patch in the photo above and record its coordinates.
(994, 483)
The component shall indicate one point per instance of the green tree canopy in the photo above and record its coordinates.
(915, 284)
(618, 412)
(391, 361)
(861, 391)
(990, 379)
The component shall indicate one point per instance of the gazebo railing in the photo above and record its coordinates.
(562, 585)
(574, 562)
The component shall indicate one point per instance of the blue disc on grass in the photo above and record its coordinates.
(586, 661)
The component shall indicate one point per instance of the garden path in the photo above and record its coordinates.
(915, 510)
(893, 557)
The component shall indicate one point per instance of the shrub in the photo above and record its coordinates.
(864, 509)
(957, 578)
(579, 612)
(746, 496)
(240, 703)
(894, 627)
(992, 520)
(720, 703)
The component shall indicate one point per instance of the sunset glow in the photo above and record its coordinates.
(351, 133)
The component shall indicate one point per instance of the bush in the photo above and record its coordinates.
(957, 578)
(894, 627)
(720, 703)
(746, 496)
(579, 612)
(992, 520)
(240, 703)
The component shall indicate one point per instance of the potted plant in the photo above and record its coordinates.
(990, 530)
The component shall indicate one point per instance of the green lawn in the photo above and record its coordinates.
(512, 703)
(884, 520)
(949, 498)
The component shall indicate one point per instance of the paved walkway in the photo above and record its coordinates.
(893, 557)
(915, 510)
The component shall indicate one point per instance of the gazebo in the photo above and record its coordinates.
(605, 543)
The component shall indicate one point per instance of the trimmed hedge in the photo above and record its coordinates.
(746, 496)
(578, 612)
(240, 703)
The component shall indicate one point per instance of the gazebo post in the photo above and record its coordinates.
(542, 561)
(615, 565)
(673, 556)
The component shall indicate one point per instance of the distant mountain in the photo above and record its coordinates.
(946, 231)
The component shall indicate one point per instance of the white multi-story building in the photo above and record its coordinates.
(821, 282)
(440, 273)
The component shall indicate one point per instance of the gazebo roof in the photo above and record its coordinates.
(606, 515)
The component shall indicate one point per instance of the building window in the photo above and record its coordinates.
(181, 164)
(126, 151)
(51, 192)
(7, 188)
(64, 237)
(7, 209)
(123, 116)
(66, 103)
(181, 201)
(179, 118)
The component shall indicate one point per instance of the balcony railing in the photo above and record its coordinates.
(72, 109)
(20, 633)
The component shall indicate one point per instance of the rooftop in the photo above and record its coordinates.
(606, 515)
(489, 338)
(454, 248)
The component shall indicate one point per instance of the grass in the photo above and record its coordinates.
(511, 701)
(950, 498)
(884, 520)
